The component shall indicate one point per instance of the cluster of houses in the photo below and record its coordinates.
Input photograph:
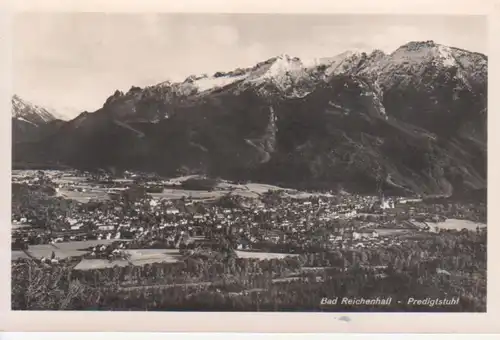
(34, 177)
(174, 223)
(109, 252)
(282, 220)
(165, 220)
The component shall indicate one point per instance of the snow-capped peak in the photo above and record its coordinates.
(296, 77)
(418, 51)
(286, 57)
(281, 71)
(284, 73)
(166, 83)
(28, 112)
(326, 61)
(284, 63)
(446, 55)
(343, 62)
(207, 83)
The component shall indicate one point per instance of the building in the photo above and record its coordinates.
(357, 235)
(382, 204)
(386, 204)
(106, 227)
(347, 213)
(172, 211)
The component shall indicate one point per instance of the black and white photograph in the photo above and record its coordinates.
(226, 162)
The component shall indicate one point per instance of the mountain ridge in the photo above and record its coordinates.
(29, 112)
(31, 122)
(416, 116)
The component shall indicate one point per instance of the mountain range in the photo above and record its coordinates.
(412, 121)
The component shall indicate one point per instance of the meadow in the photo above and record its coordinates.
(61, 250)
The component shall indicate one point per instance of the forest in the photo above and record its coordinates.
(449, 264)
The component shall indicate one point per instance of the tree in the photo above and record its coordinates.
(134, 194)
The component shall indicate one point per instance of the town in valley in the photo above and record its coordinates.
(242, 162)
(195, 236)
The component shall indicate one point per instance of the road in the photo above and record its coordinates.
(201, 284)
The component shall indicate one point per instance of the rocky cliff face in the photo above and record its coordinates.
(414, 119)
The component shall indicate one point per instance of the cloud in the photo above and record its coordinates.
(392, 37)
(386, 38)
(153, 27)
(225, 35)
(222, 35)
(340, 38)
(255, 52)
(97, 52)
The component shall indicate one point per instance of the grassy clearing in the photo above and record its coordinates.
(261, 255)
(88, 264)
(457, 224)
(195, 194)
(154, 255)
(61, 250)
(138, 257)
(393, 232)
(84, 197)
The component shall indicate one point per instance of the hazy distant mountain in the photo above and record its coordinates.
(31, 122)
(415, 118)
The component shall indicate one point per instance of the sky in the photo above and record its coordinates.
(72, 62)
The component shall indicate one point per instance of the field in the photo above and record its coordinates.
(138, 257)
(15, 226)
(70, 179)
(251, 190)
(449, 224)
(87, 264)
(143, 256)
(93, 191)
(457, 224)
(64, 250)
(261, 255)
(61, 250)
(393, 232)
(194, 194)
(84, 197)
